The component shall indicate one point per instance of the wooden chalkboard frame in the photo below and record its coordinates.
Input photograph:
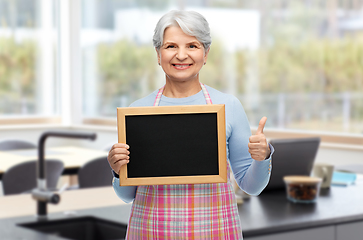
(219, 109)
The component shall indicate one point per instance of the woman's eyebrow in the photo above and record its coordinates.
(166, 43)
(194, 42)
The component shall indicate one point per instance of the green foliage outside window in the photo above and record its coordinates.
(17, 74)
(123, 65)
(320, 65)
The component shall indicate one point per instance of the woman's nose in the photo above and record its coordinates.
(181, 54)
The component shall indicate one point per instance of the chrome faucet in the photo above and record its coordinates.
(41, 194)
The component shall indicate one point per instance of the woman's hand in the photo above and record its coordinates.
(118, 156)
(258, 147)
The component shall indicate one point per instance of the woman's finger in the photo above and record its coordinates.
(118, 148)
(257, 145)
(120, 145)
(119, 151)
(117, 157)
(257, 151)
(257, 157)
(117, 166)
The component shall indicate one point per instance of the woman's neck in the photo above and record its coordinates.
(181, 89)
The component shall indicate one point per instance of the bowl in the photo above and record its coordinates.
(302, 189)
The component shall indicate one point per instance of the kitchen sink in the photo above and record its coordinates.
(80, 228)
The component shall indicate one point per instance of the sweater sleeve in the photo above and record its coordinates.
(251, 176)
(126, 193)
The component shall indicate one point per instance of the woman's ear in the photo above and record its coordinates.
(206, 55)
(158, 55)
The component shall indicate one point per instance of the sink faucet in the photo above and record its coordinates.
(41, 194)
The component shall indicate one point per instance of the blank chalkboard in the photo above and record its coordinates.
(173, 144)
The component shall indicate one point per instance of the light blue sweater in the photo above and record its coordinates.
(251, 176)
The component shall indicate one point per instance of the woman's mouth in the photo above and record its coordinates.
(181, 66)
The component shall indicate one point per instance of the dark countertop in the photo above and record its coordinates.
(10, 231)
(269, 213)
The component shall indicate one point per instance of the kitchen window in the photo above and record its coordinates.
(300, 63)
(28, 62)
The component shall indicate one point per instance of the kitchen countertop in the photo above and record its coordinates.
(269, 213)
(10, 231)
(273, 213)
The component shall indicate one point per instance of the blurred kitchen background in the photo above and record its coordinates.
(66, 65)
(69, 64)
(298, 62)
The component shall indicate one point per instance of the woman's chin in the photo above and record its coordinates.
(183, 79)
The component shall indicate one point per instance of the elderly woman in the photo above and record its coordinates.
(193, 211)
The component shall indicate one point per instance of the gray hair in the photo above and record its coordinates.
(192, 23)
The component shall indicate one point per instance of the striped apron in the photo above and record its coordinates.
(185, 211)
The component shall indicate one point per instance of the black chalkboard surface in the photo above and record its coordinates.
(173, 145)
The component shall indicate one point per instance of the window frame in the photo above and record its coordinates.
(71, 101)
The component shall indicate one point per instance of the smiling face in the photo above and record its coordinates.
(181, 56)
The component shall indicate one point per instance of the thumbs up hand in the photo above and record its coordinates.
(258, 147)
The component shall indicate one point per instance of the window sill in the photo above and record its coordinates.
(29, 120)
(30, 123)
(112, 122)
(95, 127)
(337, 146)
(328, 140)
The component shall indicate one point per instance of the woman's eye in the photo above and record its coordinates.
(193, 46)
(170, 46)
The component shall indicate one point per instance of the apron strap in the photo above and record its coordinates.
(204, 89)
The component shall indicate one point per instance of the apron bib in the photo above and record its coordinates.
(185, 211)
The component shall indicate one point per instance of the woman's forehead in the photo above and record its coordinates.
(176, 34)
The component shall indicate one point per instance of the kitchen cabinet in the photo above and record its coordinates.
(350, 231)
(322, 233)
